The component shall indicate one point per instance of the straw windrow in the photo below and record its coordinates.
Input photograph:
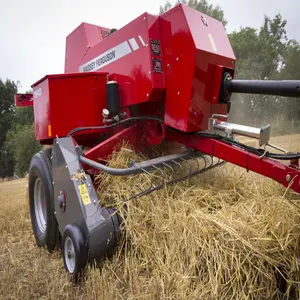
(191, 242)
(225, 234)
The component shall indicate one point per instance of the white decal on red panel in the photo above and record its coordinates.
(37, 93)
(106, 58)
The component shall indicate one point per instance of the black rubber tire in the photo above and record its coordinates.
(40, 168)
(73, 232)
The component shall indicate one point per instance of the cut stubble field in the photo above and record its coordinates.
(223, 235)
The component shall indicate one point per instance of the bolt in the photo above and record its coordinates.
(52, 182)
(215, 98)
(177, 58)
(146, 45)
(95, 201)
(89, 184)
(149, 72)
(55, 212)
(51, 157)
(178, 93)
(147, 95)
(168, 65)
(66, 167)
(288, 177)
(144, 18)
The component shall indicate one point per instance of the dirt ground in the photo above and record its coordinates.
(28, 272)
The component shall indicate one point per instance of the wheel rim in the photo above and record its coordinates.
(69, 255)
(40, 205)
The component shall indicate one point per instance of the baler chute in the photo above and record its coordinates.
(156, 80)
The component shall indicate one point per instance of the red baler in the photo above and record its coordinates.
(157, 79)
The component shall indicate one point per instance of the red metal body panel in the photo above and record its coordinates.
(78, 43)
(22, 100)
(63, 102)
(137, 136)
(127, 56)
(194, 46)
(265, 166)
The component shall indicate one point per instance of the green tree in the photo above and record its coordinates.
(260, 55)
(17, 140)
(22, 142)
(290, 70)
(7, 110)
(214, 11)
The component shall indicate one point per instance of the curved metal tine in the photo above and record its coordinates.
(143, 191)
(212, 160)
(161, 171)
(150, 178)
(168, 166)
(152, 187)
(181, 178)
(198, 163)
(188, 163)
(177, 163)
(204, 159)
(191, 158)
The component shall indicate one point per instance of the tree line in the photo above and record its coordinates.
(264, 53)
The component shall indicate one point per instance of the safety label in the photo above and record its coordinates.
(84, 194)
(157, 65)
(155, 47)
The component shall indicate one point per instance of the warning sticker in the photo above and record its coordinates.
(157, 65)
(84, 194)
(155, 47)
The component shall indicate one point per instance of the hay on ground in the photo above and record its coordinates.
(189, 241)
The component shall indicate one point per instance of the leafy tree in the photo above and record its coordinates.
(214, 11)
(17, 142)
(7, 110)
(259, 55)
(24, 146)
(291, 70)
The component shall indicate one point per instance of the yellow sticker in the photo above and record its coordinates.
(212, 42)
(84, 194)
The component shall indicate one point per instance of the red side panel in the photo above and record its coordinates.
(64, 102)
(195, 46)
(84, 37)
(133, 56)
(23, 100)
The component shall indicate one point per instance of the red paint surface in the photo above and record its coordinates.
(68, 101)
(22, 100)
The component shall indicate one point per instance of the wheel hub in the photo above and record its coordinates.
(70, 255)
(40, 207)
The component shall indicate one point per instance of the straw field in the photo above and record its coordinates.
(226, 234)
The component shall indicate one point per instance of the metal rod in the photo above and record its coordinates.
(135, 168)
(277, 148)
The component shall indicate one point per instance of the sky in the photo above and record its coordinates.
(33, 32)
